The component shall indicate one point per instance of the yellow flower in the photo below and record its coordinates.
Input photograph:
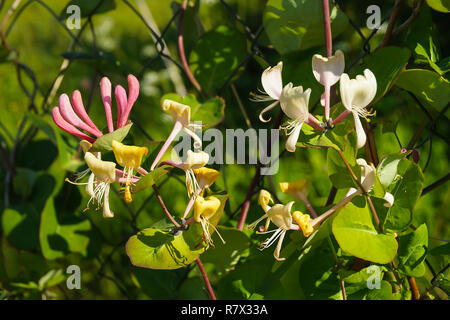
(130, 158)
(207, 211)
(206, 177)
(304, 222)
(298, 189)
(265, 198)
(281, 216)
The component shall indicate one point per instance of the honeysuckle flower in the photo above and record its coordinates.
(71, 116)
(299, 191)
(327, 71)
(194, 161)
(204, 210)
(273, 85)
(294, 103)
(130, 158)
(181, 114)
(281, 216)
(356, 94)
(98, 185)
(367, 178)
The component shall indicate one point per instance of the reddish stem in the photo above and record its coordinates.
(181, 49)
(205, 278)
(341, 116)
(327, 27)
(161, 202)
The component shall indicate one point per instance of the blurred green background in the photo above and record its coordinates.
(44, 227)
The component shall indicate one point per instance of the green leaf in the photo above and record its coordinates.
(387, 169)
(430, 88)
(88, 6)
(104, 143)
(412, 251)
(298, 24)
(386, 64)
(354, 231)
(21, 226)
(58, 237)
(420, 50)
(155, 248)
(150, 179)
(210, 113)
(406, 193)
(225, 256)
(439, 5)
(216, 55)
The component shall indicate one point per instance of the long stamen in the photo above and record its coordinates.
(254, 224)
(268, 242)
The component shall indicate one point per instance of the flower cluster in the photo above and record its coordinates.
(71, 116)
(356, 95)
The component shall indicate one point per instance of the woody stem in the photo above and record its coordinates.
(161, 202)
(206, 279)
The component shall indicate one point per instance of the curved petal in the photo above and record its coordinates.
(272, 82)
(78, 106)
(64, 125)
(294, 102)
(266, 109)
(107, 213)
(327, 71)
(360, 134)
(291, 142)
(71, 117)
(344, 87)
(133, 93)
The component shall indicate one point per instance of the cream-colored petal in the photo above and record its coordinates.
(294, 102)
(104, 171)
(327, 70)
(272, 82)
(281, 216)
(276, 254)
(107, 213)
(344, 87)
(196, 160)
(291, 143)
(90, 186)
(360, 133)
(389, 197)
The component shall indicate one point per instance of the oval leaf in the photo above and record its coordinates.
(104, 143)
(354, 231)
(155, 248)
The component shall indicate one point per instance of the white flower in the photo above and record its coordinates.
(327, 71)
(356, 94)
(389, 197)
(294, 103)
(281, 216)
(98, 187)
(273, 85)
